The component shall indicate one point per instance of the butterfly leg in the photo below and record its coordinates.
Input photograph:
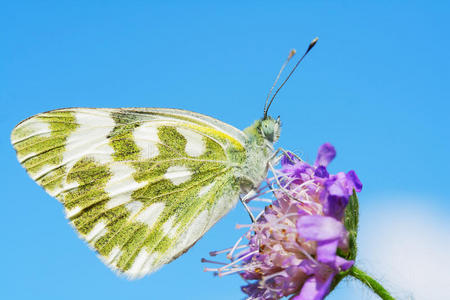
(274, 172)
(284, 153)
(243, 201)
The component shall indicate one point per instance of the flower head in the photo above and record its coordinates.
(292, 247)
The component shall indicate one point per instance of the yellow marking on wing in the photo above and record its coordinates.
(213, 132)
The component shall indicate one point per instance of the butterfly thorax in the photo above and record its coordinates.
(261, 136)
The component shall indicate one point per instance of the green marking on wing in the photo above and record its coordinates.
(120, 231)
(38, 150)
(92, 178)
(121, 137)
(172, 143)
(132, 245)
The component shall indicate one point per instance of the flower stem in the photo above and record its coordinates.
(371, 283)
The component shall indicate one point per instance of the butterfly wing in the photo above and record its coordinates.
(140, 185)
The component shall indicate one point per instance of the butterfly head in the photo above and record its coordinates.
(265, 129)
(270, 129)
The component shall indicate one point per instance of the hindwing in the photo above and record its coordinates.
(140, 185)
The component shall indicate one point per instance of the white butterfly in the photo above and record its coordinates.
(142, 185)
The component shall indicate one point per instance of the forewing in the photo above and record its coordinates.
(140, 185)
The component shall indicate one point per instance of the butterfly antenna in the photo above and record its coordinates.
(311, 45)
(291, 54)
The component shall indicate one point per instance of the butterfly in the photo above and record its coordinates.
(142, 185)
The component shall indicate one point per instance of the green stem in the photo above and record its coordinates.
(371, 283)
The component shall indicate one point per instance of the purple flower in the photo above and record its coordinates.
(338, 189)
(292, 247)
(325, 155)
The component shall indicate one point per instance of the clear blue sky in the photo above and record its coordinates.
(376, 86)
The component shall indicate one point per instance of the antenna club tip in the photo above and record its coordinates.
(311, 45)
(292, 53)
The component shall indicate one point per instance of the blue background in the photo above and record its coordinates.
(376, 86)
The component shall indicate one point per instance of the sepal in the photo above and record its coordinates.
(351, 220)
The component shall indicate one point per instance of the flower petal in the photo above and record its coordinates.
(321, 172)
(326, 251)
(334, 206)
(337, 185)
(353, 178)
(313, 289)
(320, 228)
(325, 155)
(308, 266)
(342, 264)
